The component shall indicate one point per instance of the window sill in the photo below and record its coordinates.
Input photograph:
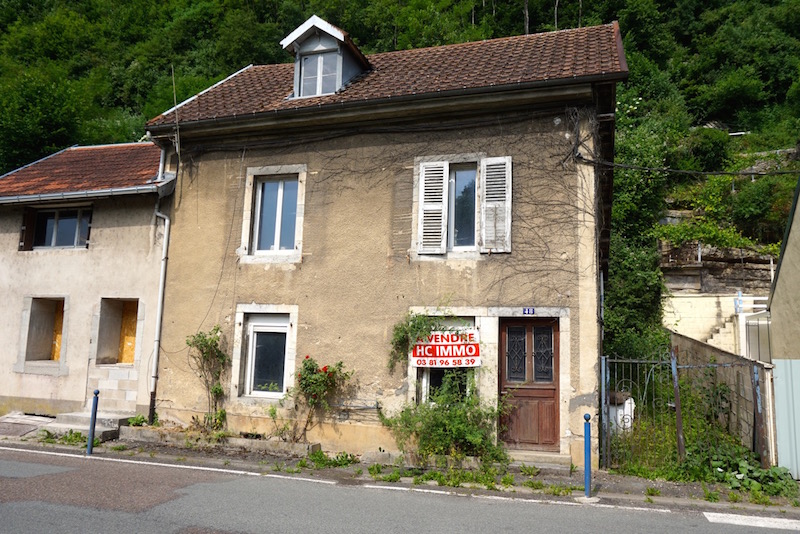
(261, 398)
(42, 367)
(293, 256)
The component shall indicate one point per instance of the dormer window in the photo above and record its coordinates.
(319, 74)
(326, 59)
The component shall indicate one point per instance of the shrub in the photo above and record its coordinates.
(454, 423)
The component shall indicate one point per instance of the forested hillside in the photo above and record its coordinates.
(93, 71)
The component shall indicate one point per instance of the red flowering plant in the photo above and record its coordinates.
(314, 387)
(316, 384)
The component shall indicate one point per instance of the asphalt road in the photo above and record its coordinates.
(43, 491)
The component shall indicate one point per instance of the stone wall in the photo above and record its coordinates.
(737, 373)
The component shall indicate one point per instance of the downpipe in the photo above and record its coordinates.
(159, 316)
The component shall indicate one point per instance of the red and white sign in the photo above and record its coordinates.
(448, 350)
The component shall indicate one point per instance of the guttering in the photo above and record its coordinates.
(506, 95)
(163, 189)
(159, 316)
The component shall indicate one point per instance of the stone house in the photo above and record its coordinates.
(81, 248)
(320, 201)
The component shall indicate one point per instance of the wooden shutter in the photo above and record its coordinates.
(495, 186)
(28, 229)
(433, 181)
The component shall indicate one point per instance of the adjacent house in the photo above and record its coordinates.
(782, 317)
(320, 201)
(81, 250)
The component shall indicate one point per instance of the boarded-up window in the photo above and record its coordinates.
(45, 329)
(116, 338)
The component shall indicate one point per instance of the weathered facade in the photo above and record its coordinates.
(784, 343)
(312, 214)
(80, 256)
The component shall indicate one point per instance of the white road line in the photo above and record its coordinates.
(176, 466)
(512, 499)
(753, 521)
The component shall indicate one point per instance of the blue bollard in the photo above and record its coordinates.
(587, 456)
(90, 442)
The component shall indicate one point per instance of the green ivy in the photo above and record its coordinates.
(405, 334)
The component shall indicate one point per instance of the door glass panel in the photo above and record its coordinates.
(515, 354)
(542, 354)
(270, 349)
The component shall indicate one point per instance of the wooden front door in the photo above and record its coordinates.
(529, 381)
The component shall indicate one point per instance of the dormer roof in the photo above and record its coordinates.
(315, 25)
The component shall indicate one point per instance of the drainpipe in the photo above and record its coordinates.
(159, 313)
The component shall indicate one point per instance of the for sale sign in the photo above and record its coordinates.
(448, 349)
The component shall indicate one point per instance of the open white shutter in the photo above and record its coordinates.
(433, 181)
(496, 204)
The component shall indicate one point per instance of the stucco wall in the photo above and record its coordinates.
(784, 306)
(360, 273)
(121, 262)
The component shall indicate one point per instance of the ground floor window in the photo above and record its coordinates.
(45, 329)
(430, 379)
(116, 336)
(266, 367)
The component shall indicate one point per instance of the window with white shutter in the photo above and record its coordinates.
(458, 212)
(496, 204)
(433, 207)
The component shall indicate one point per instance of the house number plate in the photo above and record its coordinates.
(528, 311)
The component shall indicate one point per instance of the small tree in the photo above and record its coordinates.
(210, 361)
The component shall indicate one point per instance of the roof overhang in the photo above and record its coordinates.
(405, 107)
(314, 23)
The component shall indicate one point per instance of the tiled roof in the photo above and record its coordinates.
(557, 58)
(85, 169)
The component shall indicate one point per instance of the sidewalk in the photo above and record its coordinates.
(551, 483)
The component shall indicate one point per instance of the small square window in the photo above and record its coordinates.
(45, 330)
(266, 369)
(56, 228)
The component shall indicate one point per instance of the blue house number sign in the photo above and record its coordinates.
(528, 311)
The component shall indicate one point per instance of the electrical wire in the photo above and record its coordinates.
(581, 159)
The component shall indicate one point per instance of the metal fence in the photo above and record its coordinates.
(655, 410)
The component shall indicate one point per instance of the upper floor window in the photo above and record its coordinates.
(276, 214)
(319, 74)
(272, 222)
(464, 206)
(63, 227)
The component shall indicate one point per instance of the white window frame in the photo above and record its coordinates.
(251, 214)
(434, 201)
(320, 58)
(251, 319)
